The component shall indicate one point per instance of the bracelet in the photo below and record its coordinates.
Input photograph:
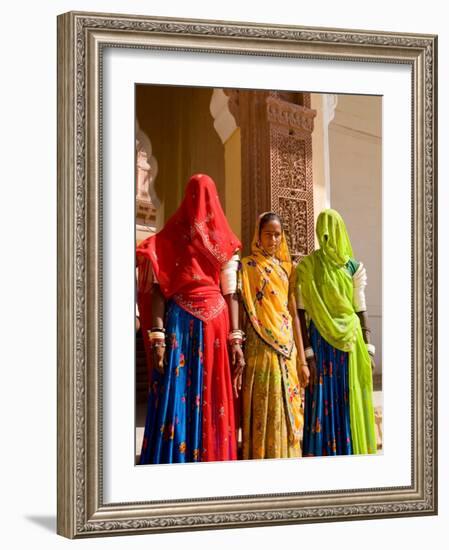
(371, 349)
(236, 334)
(156, 335)
(309, 353)
(158, 329)
(366, 329)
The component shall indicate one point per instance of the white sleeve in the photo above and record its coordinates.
(359, 280)
(137, 278)
(228, 276)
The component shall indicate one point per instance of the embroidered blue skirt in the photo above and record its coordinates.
(173, 421)
(326, 406)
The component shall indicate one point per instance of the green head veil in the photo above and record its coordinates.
(326, 286)
(333, 237)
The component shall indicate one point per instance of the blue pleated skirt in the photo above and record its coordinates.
(327, 428)
(173, 422)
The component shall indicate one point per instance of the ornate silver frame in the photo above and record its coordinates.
(81, 38)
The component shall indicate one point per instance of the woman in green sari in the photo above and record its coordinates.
(338, 408)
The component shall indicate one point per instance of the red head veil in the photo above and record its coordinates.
(186, 255)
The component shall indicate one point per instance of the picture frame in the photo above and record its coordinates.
(82, 40)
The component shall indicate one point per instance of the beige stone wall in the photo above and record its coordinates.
(319, 159)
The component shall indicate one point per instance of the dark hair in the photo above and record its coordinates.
(268, 217)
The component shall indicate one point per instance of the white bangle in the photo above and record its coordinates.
(156, 335)
(371, 349)
(308, 352)
(236, 334)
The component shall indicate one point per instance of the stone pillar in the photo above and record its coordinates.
(290, 129)
(276, 139)
(276, 160)
(325, 105)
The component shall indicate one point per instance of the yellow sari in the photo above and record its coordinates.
(272, 417)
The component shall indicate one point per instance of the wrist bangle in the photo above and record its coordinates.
(371, 349)
(236, 334)
(156, 335)
(158, 329)
(309, 353)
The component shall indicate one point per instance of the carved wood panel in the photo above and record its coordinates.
(291, 183)
(277, 163)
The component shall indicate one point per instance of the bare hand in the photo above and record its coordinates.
(373, 363)
(304, 375)
(238, 362)
(159, 359)
(313, 375)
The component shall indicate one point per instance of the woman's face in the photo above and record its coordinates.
(270, 236)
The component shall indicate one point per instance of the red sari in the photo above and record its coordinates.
(186, 257)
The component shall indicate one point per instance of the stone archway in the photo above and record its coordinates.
(147, 201)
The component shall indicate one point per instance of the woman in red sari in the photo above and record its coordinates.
(190, 415)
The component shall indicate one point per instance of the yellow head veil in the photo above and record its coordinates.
(282, 253)
(264, 285)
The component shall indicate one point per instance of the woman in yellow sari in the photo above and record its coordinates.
(272, 417)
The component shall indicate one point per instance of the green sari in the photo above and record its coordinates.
(327, 293)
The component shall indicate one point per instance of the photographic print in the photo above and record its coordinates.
(245, 201)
